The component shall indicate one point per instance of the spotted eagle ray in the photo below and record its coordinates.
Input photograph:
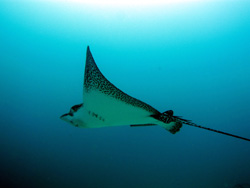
(106, 105)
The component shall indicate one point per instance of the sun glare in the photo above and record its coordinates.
(125, 2)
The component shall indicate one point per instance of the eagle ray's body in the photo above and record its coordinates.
(105, 105)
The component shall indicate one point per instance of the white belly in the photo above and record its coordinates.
(100, 111)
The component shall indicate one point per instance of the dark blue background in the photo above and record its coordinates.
(193, 58)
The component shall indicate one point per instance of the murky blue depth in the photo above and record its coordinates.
(192, 58)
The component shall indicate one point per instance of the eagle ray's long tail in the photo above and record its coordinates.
(168, 117)
(188, 122)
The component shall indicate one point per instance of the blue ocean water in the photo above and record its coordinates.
(190, 57)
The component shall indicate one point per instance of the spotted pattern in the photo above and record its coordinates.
(94, 80)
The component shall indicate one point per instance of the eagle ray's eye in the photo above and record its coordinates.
(76, 107)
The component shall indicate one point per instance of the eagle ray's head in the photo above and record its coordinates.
(71, 117)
